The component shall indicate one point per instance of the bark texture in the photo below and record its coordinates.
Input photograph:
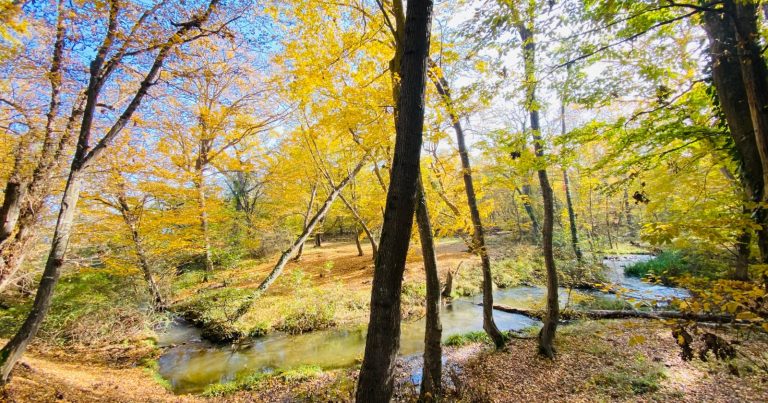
(376, 379)
(433, 353)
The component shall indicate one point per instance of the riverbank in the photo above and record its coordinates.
(615, 360)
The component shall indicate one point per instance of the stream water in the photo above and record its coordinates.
(190, 363)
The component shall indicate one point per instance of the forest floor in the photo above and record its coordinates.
(620, 360)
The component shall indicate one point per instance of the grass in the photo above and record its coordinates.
(634, 378)
(458, 340)
(255, 381)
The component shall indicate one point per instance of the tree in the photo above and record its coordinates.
(382, 341)
(86, 154)
(478, 237)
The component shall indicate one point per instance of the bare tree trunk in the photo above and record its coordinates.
(535, 230)
(311, 204)
(290, 252)
(478, 239)
(433, 367)
(376, 378)
(754, 73)
(16, 346)
(547, 333)
(203, 217)
(157, 299)
(358, 234)
(567, 185)
(571, 217)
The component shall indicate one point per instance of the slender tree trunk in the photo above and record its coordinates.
(203, 217)
(358, 234)
(311, 204)
(376, 379)
(571, 217)
(535, 230)
(433, 354)
(567, 185)
(549, 328)
(9, 211)
(741, 271)
(154, 291)
(12, 351)
(478, 238)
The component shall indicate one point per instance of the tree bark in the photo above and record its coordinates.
(432, 371)
(549, 328)
(357, 243)
(478, 239)
(610, 314)
(535, 230)
(733, 100)
(567, 185)
(16, 346)
(754, 73)
(376, 379)
(203, 217)
(311, 204)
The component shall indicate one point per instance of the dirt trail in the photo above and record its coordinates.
(39, 379)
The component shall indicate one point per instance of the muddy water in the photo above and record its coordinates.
(191, 364)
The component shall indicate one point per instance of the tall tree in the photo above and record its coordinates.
(376, 379)
(86, 155)
(478, 236)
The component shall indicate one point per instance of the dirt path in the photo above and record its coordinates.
(38, 379)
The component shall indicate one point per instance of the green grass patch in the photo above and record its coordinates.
(458, 340)
(636, 378)
(254, 381)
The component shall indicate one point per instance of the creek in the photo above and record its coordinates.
(191, 363)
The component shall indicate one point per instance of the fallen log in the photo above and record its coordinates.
(610, 314)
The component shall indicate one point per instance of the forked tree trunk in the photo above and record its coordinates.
(478, 237)
(363, 225)
(376, 380)
(290, 252)
(433, 366)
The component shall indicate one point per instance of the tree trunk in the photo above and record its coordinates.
(9, 211)
(535, 230)
(157, 299)
(15, 348)
(311, 203)
(478, 239)
(566, 184)
(358, 233)
(432, 371)
(290, 252)
(572, 217)
(609, 314)
(741, 271)
(547, 333)
(203, 216)
(754, 73)
(376, 379)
